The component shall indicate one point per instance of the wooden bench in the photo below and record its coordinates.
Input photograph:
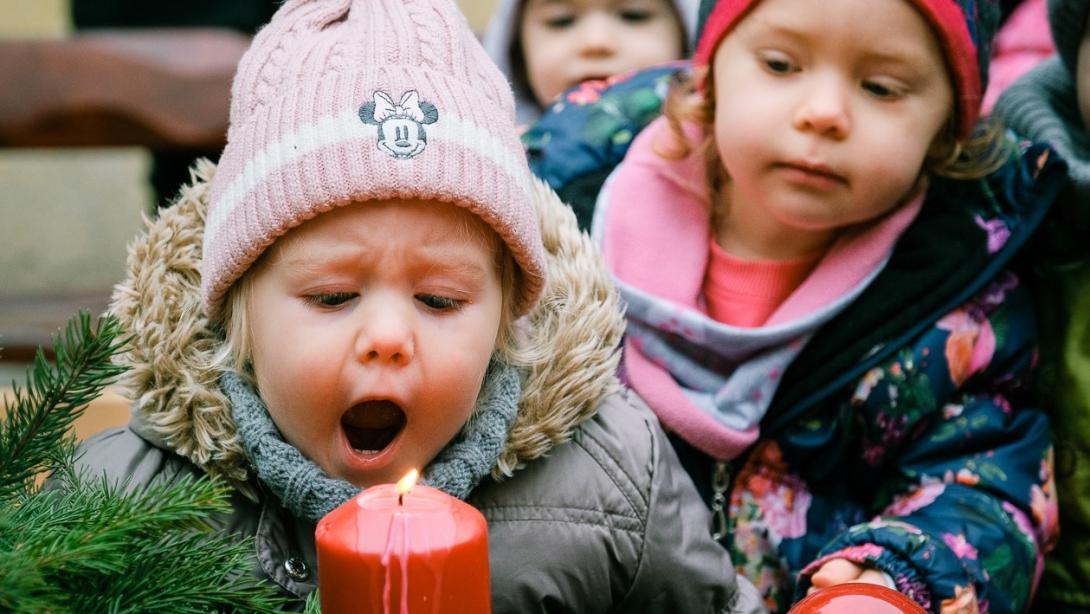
(161, 89)
(167, 90)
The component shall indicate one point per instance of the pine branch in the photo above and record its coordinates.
(184, 572)
(22, 587)
(81, 528)
(93, 546)
(33, 435)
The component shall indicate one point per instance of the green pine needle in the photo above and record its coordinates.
(92, 546)
(91, 526)
(33, 437)
(314, 603)
(84, 544)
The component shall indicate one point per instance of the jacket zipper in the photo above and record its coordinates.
(721, 476)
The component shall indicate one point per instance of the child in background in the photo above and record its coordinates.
(361, 288)
(1052, 103)
(812, 246)
(544, 47)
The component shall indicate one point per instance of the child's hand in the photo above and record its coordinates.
(839, 571)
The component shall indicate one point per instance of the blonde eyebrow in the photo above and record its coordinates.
(895, 56)
(468, 270)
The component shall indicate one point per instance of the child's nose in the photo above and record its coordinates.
(597, 36)
(385, 336)
(824, 109)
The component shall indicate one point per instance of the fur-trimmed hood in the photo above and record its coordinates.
(176, 403)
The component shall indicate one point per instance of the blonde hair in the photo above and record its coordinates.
(237, 350)
(977, 156)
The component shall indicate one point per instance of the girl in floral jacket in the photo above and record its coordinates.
(814, 247)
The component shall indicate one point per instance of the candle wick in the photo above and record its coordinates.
(400, 499)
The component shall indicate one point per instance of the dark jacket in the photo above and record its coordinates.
(904, 435)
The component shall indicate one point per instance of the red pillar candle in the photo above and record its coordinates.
(857, 598)
(403, 549)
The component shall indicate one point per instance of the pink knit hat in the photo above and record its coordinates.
(340, 101)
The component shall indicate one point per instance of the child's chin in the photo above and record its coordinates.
(363, 482)
(365, 479)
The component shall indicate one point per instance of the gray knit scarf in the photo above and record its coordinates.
(307, 492)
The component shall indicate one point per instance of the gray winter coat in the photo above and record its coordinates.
(588, 508)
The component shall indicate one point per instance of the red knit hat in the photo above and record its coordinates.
(964, 27)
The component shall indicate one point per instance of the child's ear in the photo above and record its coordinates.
(367, 113)
(431, 114)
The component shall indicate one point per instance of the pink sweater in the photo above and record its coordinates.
(746, 292)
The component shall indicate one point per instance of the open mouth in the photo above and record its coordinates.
(372, 425)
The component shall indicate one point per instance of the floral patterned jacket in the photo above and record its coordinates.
(903, 436)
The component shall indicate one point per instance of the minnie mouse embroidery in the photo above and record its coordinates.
(400, 126)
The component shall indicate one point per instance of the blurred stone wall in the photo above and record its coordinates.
(35, 19)
(38, 18)
(478, 11)
(66, 215)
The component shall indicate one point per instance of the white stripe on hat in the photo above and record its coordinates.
(333, 130)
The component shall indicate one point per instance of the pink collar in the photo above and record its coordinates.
(658, 221)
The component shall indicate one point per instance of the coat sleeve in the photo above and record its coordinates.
(681, 568)
(967, 505)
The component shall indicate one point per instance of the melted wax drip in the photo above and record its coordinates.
(397, 541)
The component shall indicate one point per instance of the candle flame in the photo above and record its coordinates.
(405, 484)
